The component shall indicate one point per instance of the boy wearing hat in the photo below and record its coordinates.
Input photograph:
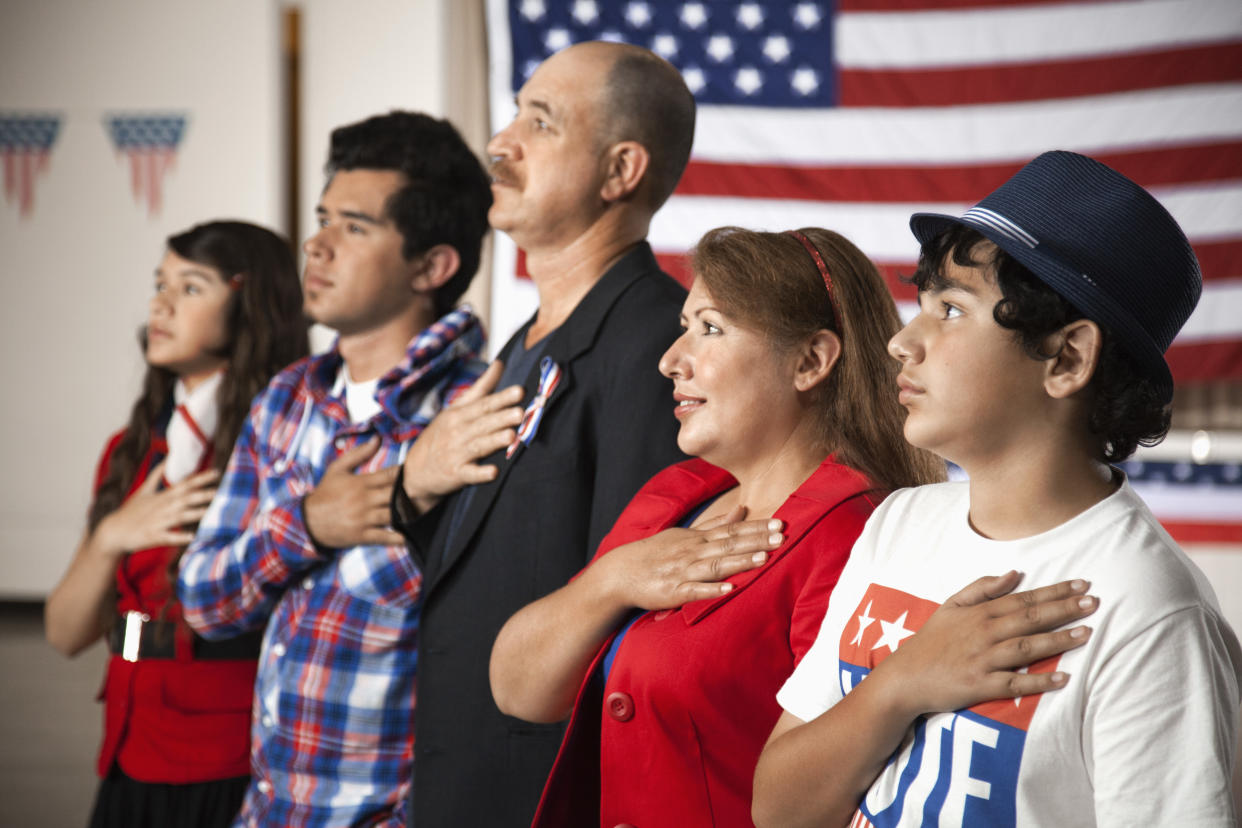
(1035, 361)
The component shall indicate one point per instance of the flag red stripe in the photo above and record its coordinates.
(1220, 259)
(676, 265)
(965, 183)
(1195, 532)
(1041, 80)
(25, 182)
(1196, 362)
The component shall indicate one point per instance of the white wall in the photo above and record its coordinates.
(76, 273)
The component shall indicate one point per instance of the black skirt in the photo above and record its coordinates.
(124, 802)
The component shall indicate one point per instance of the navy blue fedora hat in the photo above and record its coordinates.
(1098, 239)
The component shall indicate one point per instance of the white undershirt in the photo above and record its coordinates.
(359, 396)
(185, 445)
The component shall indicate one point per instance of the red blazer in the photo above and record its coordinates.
(673, 737)
(170, 720)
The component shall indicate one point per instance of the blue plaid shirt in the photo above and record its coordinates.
(333, 717)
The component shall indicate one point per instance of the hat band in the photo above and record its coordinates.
(1002, 225)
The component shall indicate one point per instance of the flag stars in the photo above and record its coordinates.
(586, 12)
(529, 67)
(776, 48)
(693, 15)
(557, 39)
(805, 81)
(750, 16)
(748, 80)
(665, 45)
(612, 36)
(638, 15)
(532, 10)
(719, 47)
(807, 15)
(892, 633)
(695, 79)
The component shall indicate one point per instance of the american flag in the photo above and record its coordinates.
(26, 146)
(150, 142)
(853, 115)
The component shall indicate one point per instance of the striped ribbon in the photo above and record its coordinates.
(549, 378)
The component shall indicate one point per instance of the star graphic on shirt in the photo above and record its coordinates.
(892, 633)
(864, 621)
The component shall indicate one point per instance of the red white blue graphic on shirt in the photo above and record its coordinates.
(953, 769)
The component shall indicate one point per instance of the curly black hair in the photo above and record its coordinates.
(1127, 408)
(448, 194)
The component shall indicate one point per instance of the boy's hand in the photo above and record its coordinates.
(443, 458)
(348, 509)
(972, 647)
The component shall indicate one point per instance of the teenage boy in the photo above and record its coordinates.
(297, 538)
(1036, 360)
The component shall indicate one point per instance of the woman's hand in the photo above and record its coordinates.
(677, 566)
(156, 518)
(973, 647)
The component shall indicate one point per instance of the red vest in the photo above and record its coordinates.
(170, 720)
(674, 734)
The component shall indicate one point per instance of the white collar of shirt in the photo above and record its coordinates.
(192, 427)
(359, 396)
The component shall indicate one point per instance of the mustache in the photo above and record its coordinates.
(500, 170)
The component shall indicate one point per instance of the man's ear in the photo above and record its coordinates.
(1077, 347)
(625, 164)
(433, 267)
(816, 360)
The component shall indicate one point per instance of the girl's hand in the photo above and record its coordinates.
(972, 647)
(157, 518)
(677, 566)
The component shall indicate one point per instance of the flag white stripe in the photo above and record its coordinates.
(883, 229)
(1193, 503)
(1216, 316)
(979, 37)
(980, 134)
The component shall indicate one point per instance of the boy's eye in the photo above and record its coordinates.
(192, 290)
(354, 228)
(948, 311)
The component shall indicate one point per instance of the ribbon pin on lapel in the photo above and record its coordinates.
(549, 378)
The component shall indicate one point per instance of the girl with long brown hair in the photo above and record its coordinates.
(226, 315)
(669, 647)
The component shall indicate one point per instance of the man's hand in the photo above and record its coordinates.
(677, 566)
(972, 648)
(348, 509)
(154, 517)
(443, 458)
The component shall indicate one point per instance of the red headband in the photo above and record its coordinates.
(823, 271)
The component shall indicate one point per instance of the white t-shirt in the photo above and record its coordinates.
(1143, 733)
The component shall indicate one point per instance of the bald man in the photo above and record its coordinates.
(601, 137)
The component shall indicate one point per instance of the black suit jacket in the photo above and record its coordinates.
(606, 429)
